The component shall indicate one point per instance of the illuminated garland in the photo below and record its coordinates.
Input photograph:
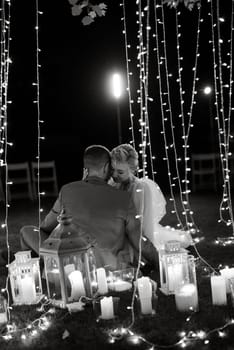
(39, 121)
(4, 144)
(165, 110)
(130, 102)
(223, 123)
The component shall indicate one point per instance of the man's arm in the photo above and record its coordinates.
(133, 230)
(50, 221)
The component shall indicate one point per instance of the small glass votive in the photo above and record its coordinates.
(106, 308)
(186, 297)
(121, 280)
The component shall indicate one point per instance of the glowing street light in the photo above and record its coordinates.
(117, 92)
(207, 90)
(116, 85)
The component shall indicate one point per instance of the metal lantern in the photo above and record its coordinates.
(173, 263)
(25, 279)
(3, 310)
(70, 266)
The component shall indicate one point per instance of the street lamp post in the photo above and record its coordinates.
(117, 91)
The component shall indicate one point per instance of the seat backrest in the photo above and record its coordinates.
(47, 169)
(18, 171)
(204, 161)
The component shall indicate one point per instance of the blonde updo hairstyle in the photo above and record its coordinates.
(125, 153)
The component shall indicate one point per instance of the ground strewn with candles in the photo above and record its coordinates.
(44, 327)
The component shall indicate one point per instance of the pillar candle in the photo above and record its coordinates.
(107, 308)
(227, 273)
(186, 297)
(101, 281)
(28, 292)
(77, 285)
(144, 287)
(218, 290)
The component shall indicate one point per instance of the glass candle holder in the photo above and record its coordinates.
(231, 287)
(120, 280)
(186, 297)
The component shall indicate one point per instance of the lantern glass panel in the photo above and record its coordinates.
(174, 270)
(79, 275)
(53, 276)
(3, 310)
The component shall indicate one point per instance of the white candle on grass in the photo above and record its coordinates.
(144, 287)
(107, 308)
(101, 281)
(218, 290)
(77, 285)
(186, 297)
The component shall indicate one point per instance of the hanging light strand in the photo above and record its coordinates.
(127, 46)
(186, 128)
(223, 134)
(147, 98)
(37, 102)
(157, 20)
(5, 60)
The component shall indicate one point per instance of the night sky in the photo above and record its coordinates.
(76, 63)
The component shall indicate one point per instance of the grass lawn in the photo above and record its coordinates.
(164, 328)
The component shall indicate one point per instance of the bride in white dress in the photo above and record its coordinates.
(147, 197)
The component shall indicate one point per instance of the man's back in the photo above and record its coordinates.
(104, 213)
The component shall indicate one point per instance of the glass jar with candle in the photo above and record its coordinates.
(121, 280)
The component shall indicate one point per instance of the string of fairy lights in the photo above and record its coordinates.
(128, 60)
(39, 121)
(223, 122)
(43, 322)
(4, 143)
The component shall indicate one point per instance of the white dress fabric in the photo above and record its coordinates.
(151, 205)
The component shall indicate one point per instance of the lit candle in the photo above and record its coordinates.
(227, 273)
(175, 276)
(77, 285)
(144, 287)
(101, 281)
(28, 290)
(186, 297)
(107, 308)
(218, 290)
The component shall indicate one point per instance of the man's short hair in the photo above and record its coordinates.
(96, 156)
